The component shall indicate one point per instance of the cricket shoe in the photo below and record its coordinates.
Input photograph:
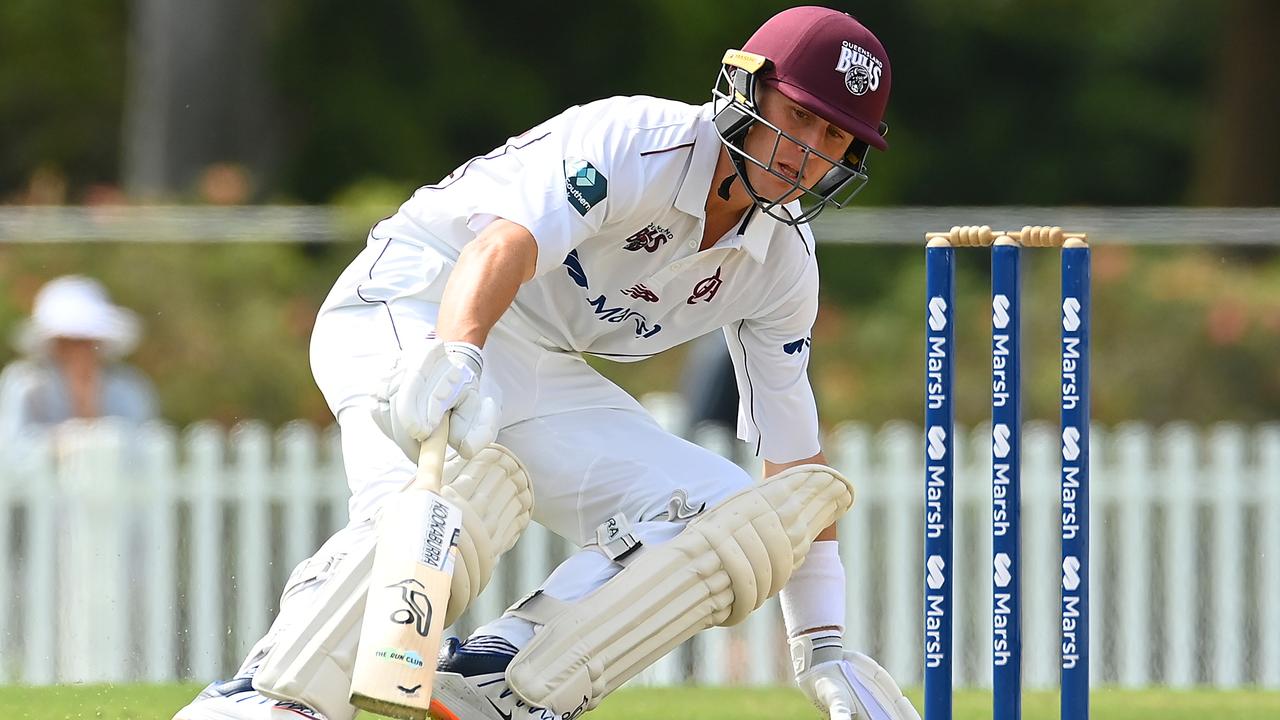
(235, 699)
(471, 684)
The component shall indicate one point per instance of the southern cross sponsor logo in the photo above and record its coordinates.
(640, 292)
(937, 314)
(937, 576)
(1070, 444)
(1000, 435)
(649, 239)
(584, 185)
(1000, 311)
(706, 289)
(1071, 314)
(937, 443)
(1001, 565)
(795, 347)
(861, 69)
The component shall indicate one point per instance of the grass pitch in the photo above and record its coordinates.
(159, 702)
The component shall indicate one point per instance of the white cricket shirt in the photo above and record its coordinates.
(614, 194)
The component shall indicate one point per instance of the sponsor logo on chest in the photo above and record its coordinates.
(584, 185)
(649, 239)
(600, 306)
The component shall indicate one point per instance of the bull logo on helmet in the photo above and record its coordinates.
(861, 69)
(858, 80)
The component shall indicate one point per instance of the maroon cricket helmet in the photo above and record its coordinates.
(828, 63)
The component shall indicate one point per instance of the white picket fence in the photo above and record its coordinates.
(156, 555)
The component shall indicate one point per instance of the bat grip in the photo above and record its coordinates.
(431, 458)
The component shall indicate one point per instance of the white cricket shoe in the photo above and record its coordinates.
(235, 699)
(471, 684)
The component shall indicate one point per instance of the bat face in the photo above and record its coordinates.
(404, 613)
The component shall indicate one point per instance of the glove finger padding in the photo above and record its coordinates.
(474, 423)
(850, 686)
(834, 697)
(431, 380)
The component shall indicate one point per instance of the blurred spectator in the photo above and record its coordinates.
(71, 366)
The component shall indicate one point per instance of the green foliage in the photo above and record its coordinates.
(1178, 333)
(61, 90)
(226, 326)
(1035, 102)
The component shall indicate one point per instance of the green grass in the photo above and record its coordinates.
(159, 702)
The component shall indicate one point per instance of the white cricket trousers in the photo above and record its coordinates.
(591, 450)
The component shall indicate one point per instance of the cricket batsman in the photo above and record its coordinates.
(620, 228)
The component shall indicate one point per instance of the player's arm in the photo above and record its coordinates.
(482, 286)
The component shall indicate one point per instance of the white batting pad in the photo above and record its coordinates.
(312, 660)
(721, 567)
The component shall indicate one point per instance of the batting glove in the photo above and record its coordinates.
(845, 686)
(432, 380)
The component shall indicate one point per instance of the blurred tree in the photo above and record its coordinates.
(61, 89)
(1086, 101)
(1239, 158)
(197, 95)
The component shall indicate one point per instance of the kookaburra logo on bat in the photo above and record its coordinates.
(417, 609)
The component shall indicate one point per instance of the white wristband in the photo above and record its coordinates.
(467, 353)
(814, 596)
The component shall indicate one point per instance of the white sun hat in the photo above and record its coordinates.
(75, 306)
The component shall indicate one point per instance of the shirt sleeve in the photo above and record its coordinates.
(573, 175)
(777, 412)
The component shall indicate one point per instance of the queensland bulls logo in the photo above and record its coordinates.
(649, 239)
(706, 289)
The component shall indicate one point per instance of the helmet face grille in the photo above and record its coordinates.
(736, 112)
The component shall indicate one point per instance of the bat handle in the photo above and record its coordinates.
(431, 457)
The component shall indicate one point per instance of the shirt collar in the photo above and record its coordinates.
(760, 230)
(692, 196)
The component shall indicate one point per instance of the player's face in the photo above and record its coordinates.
(789, 159)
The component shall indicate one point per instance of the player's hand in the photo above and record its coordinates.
(432, 380)
(849, 686)
(827, 687)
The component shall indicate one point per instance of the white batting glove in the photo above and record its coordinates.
(845, 686)
(432, 380)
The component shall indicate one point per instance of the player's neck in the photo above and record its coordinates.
(723, 213)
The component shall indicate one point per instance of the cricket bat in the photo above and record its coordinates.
(408, 593)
